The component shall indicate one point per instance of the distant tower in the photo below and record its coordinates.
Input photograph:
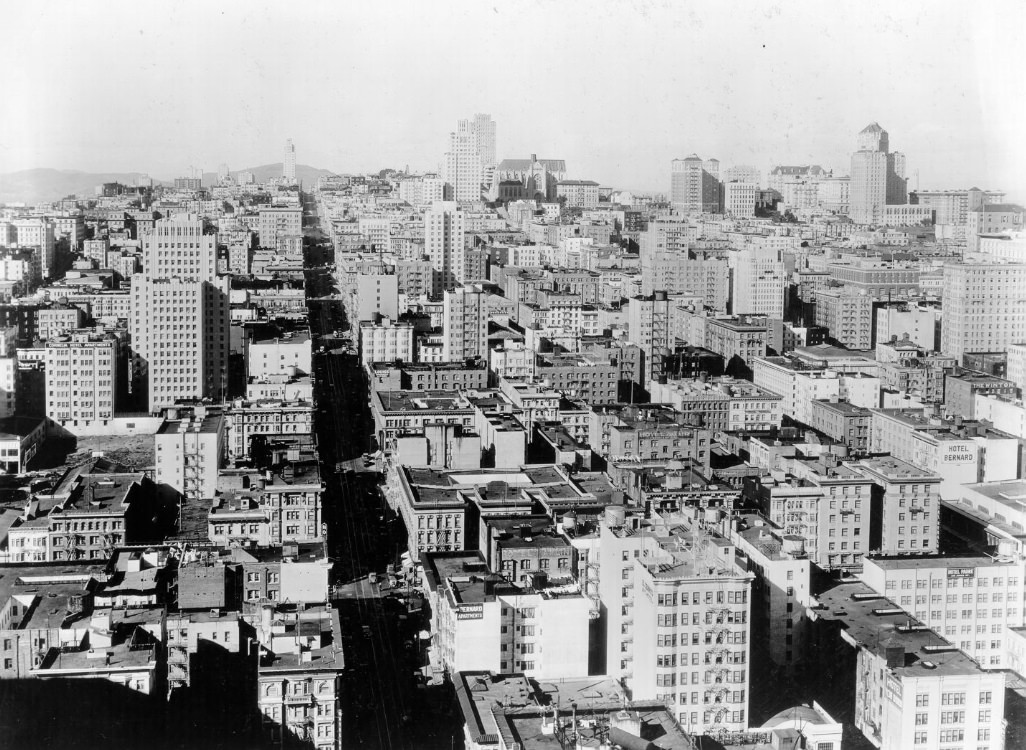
(694, 185)
(223, 173)
(877, 176)
(289, 169)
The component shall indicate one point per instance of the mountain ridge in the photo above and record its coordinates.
(47, 184)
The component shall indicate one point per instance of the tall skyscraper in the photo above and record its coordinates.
(484, 128)
(470, 158)
(877, 176)
(289, 165)
(695, 185)
(443, 243)
(179, 322)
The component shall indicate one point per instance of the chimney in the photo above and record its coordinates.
(895, 655)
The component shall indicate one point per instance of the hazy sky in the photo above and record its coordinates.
(617, 89)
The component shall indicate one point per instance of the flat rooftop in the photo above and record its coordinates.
(894, 468)
(421, 401)
(919, 562)
(875, 622)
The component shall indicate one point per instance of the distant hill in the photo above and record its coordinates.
(38, 185)
(306, 174)
(42, 185)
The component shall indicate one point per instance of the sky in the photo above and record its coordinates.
(617, 89)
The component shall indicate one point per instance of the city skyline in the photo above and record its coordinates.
(757, 99)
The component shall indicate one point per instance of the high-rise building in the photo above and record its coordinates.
(695, 185)
(954, 206)
(465, 320)
(289, 165)
(37, 233)
(484, 129)
(179, 322)
(470, 158)
(877, 176)
(443, 244)
(758, 281)
(983, 310)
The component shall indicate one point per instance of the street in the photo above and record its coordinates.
(385, 706)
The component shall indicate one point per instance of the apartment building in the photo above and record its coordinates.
(179, 321)
(982, 307)
(278, 221)
(905, 685)
(247, 419)
(841, 421)
(723, 403)
(908, 503)
(781, 591)
(190, 451)
(758, 280)
(299, 676)
(959, 451)
(465, 323)
(82, 378)
(848, 316)
(386, 340)
(677, 616)
(484, 622)
(269, 507)
(288, 354)
(968, 600)
(827, 504)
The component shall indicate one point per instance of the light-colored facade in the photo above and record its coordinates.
(299, 677)
(189, 452)
(386, 341)
(848, 315)
(485, 623)
(693, 187)
(968, 600)
(983, 310)
(82, 378)
(463, 166)
(444, 228)
(758, 282)
(909, 505)
(465, 323)
(291, 354)
(677, 616)
(910, 687)
(289, 163)
(739, 199)
(279, 221)
(179, 321)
